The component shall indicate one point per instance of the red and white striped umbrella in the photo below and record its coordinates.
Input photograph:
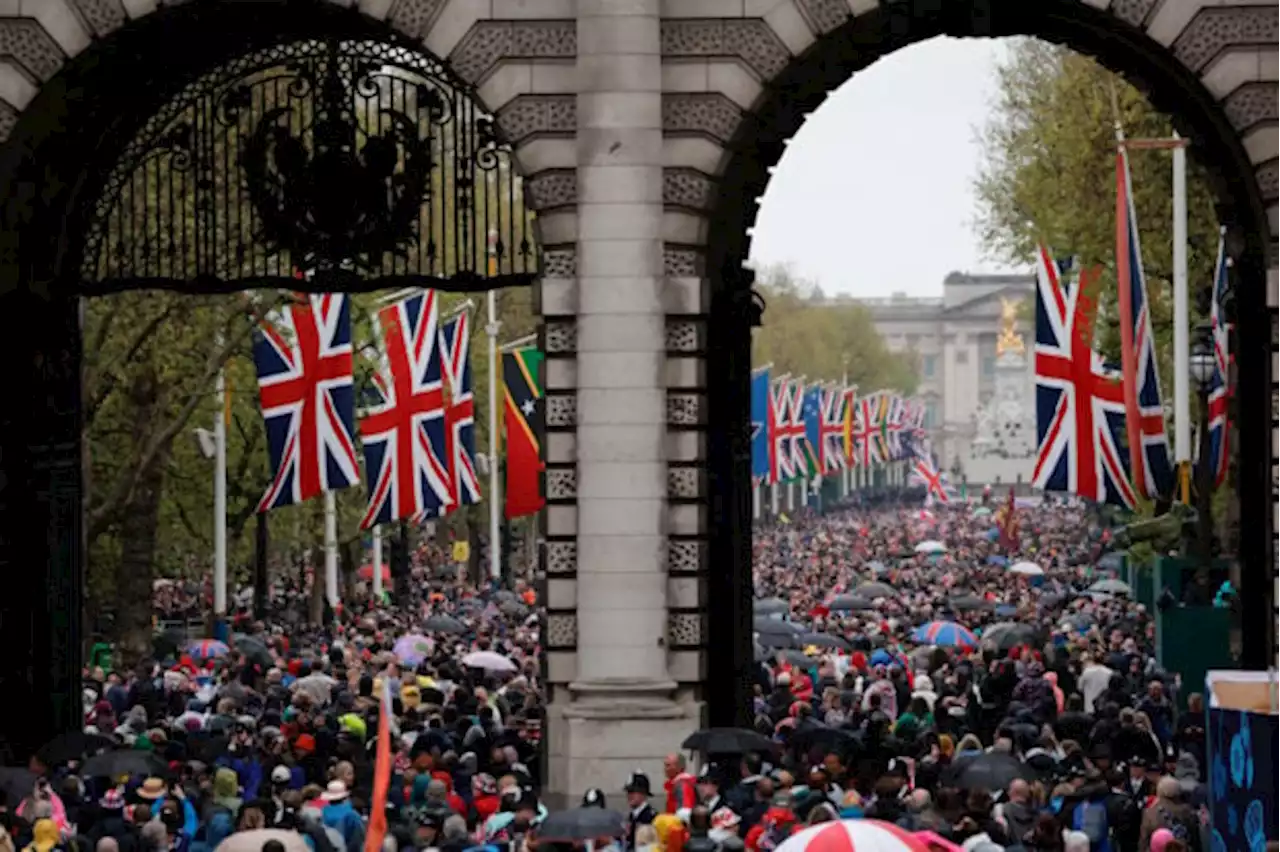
(853, 835)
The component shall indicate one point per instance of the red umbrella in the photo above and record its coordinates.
(366, 572)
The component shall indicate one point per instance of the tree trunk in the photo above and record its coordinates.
(138, 524)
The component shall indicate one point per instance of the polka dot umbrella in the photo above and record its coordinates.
(854, 835)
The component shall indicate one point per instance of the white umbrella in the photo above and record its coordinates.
(1027, 569)
(489, 661)
(253, 841)
(931, 547)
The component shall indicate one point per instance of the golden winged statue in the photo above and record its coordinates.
(1010, 340)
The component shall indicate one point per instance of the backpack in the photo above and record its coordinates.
(1091, 818)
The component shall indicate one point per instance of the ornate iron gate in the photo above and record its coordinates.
(365, 162)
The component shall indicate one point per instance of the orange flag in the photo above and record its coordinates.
(381, 776)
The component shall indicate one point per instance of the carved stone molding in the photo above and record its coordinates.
(1132, 11)
(1216, 27)
(552, 188)
(8, 119)
(562, 411)
(489, 42)
(681, 262)
(688, 188)
(685, 557)
(562, 630)
(561, 483)
(1252, 103)
(561, 262)
(825, 15)
(562, 557)
(684, 409)
(102, 16)
(31, 47)
(684, 335)
(1269, 181)
(683, 483)
(532, 115)
(749, 39)
(560, 337)
(701, 113)
(684, 629)
(414, 18)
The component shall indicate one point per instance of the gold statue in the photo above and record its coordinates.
(1010, 340)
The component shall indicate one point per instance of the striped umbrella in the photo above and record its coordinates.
(853, 835)
(945, 633)
(207, 649)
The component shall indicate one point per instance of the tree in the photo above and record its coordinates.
(805, 335)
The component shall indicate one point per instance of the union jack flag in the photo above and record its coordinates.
(1148, 444)
(1219, 389)
(924, 471)
(303, 358)
(404, 427)
(868, 437)
(892, 425)
(831, 447)
(786, 425)
(459, 412)
(849, 402)
(1079, 402)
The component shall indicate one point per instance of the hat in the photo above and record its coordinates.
(112, 800)
(306, 743)
(281, 774)
(152, 789)
(724, 818)
(638, 783)
(44, 835)
(335, 792)
(593, 798)
(706, 776)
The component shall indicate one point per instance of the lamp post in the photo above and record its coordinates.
(1202, 365)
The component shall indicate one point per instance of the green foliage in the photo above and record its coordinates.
(804, 335)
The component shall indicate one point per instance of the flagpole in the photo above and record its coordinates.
(220, 502)
(377, 563)
(331, 549)
(492, 327)
(1181, 330)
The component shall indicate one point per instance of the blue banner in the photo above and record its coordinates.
(760, 425)
(1242, 779)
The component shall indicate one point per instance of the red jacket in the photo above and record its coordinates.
(681, 792)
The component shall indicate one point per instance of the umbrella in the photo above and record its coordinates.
(997, 560)
(795, 657)
(585, 823)
(727, 741)
(849, 603)
(1111, 587)
(505, 595)
(875, 590)
(490, 661)
(254, 649)
(821, 640)
(514, 608)
(1008, 634)
(931, 547)
(16, 783)
(1006, 610)
(256, 839)
(945, 634)
(412, 648)
(853, 835)
(775, 626)
(777, 640)
(318, 685)
(771, 606)
(72, 745)
(1112, 561)
(980, 512)
(988, 771)
(113, 764)
(1027, 569)
(207, 649)
(883, 657)
(970, 602)
(823, 736)
(366, 573)
(443, 624)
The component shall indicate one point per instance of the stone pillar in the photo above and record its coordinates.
(620, 714)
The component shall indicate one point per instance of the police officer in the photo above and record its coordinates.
(639, 811)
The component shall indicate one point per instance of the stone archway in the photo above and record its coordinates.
(737, 88)
(93, 100)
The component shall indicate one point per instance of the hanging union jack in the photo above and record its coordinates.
(831, 445)
(459, 411)
(1219, 390)
(925, 472)
(786, 425)
(1079, 402)
(303, 359)
(403, 428)
(868, 439)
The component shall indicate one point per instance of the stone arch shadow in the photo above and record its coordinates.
(52, 165)
(759, 143)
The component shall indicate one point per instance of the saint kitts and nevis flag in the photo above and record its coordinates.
(524, 424)
(805, 431)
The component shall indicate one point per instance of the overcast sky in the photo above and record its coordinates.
(874, 193)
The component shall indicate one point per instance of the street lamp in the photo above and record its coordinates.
(1202, 366)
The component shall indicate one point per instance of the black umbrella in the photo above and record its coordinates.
(875, 590)
(16, 783)
(113, 764)
(1008, 634)
(988, 771)
(825, 737)
(727, 741)
(970, 602)
(514, 609)
(771, 606)
(254, 649)
(850, 603)
(775, 626)
(169, 642)
(795, 658)
(505, 595)
(443, 624)
(73, 745)
(821, 640)
(582, 824)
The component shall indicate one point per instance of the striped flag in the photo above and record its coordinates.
(1219, 385)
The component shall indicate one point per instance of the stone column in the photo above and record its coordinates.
(621, 715)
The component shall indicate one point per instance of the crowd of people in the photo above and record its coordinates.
(911, 669)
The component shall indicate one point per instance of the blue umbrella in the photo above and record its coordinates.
(1005, 610)
(997, 559)
(945, 634)
(881, 657)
